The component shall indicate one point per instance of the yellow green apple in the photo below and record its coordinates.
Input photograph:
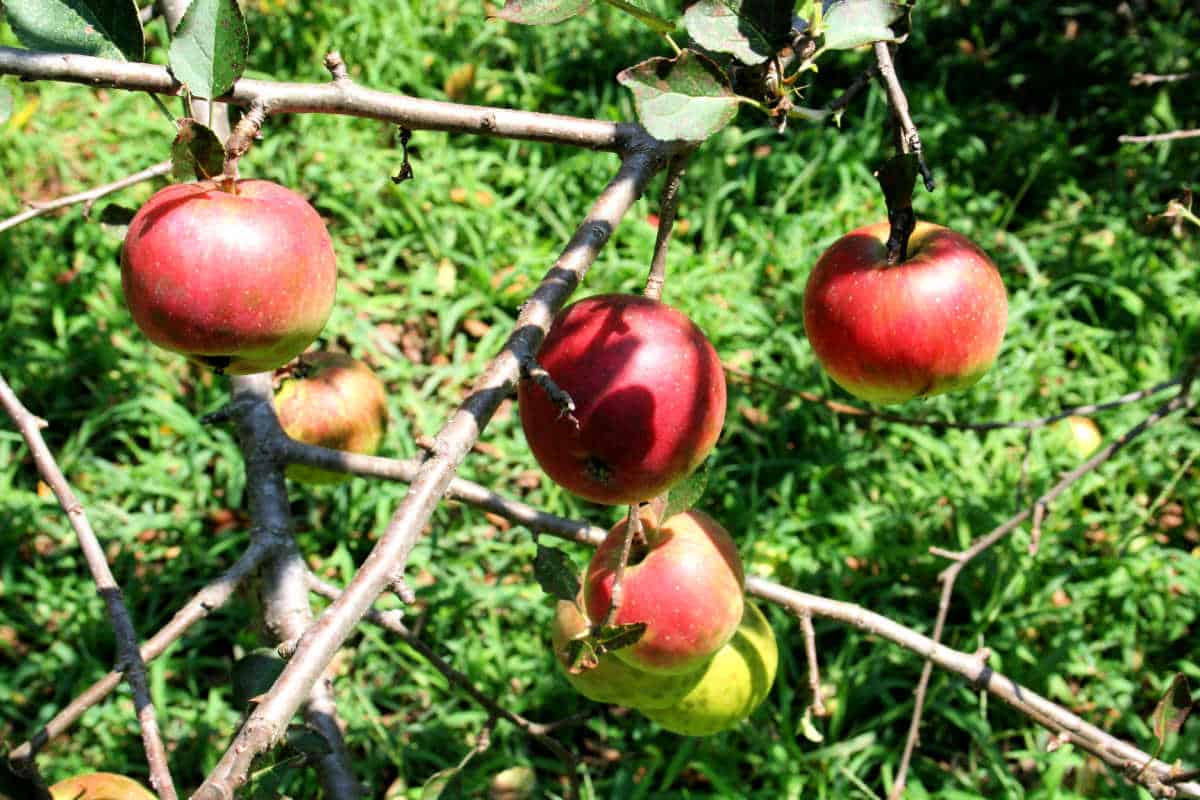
(100, 786)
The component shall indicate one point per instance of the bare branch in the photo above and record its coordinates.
(1151, 138)
(668, 205)
(336, 97)
(1150, 79)
(128, 656)
(814, 667)
(319, 644)
(910, 140)
(531, 370)
(88, 198)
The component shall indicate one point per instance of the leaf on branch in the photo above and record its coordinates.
(853, 23)
(554, 572)
(685, 98)
(102, 28)
(115, 214)
(749, 30)
(616, 637)
(6, 105)
(540, 12)
(196, 153)
(687, 492)
(308, 743)
(1172, 709)
(209, 47)
(254, 674)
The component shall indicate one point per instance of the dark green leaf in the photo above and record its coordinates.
(103, 28)
(615, 637)
(254, 674)
(852, 23)
(114, 214)
(1173, 709)
(6, 105)
(554, 572)
(686, 98)
(749, 30)
(196, 153)
(685, 494)
(209, 48)
(541, 12)
(897, 177)
(308, 742)
(580, 655)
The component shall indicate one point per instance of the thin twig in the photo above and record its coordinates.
(814, 667)
(1150, 138)
(847, 409)
(394, 622)
(843, 100)
(1150, 79)
(129, 659)
(668, 206)
(335, 97)
(322, 639)
(910, 140)
(633, 528)
(531, 370)
(88, 198)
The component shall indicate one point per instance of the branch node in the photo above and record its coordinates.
(399, 587)
(336, 66)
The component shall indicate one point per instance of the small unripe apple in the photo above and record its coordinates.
(649, 394)
(929, 325)
(1085, 437)
(332, 401)
(241, 281)
(100, 786)
(736, 681)
(685, 582)
(612, 680)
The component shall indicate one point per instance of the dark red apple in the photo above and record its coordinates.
(649, 396)
(241, 280)
(332, 401)
(100, 786)
(686, 584)
(929, 325)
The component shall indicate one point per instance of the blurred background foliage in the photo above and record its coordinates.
(1019, 106)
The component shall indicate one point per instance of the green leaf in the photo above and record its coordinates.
(853, 23)
(685, 98)
(616, 637)
(254, 674)
(1172, 709)
(554, 572)
(209, 48)
(308, 742)
(749, 30)
(115, 214)
(6, 105)
(102, 28)
(808, 729)
(685, 494)
(196, 153)
(541, 12)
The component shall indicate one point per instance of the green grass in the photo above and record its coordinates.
(1019, 121)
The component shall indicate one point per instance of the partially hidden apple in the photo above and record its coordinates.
(100, 786)
(734, 684)
(649, 394)
(886, 334)
(1085, 437)
(686, 583)
(612, 680)
(241, 281)
(335, 401)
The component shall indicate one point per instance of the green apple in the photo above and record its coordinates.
(736, 681)
(612, 680)
(100, 786)
(1085, 437)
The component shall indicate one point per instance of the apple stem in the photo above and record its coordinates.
(668, 204)
(903, 222)
(632, 529)
(239, 142)
(532, 370)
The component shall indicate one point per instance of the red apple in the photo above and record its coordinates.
(929, 325)
(649, 396)
(612, 680)
(735, 682)
(100, 786)
(685, 583)
(241, 281)
(333, 401)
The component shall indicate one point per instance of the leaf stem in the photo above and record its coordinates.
(648, 18)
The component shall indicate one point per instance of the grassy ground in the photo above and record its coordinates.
(1019, 107)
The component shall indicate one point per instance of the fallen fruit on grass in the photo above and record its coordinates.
(335, 401)
(685, 582)
(736, 681)
(100, 786)
(612, 680)
(241, 281)
(649, 395)
(1085, 436)
(931, 324)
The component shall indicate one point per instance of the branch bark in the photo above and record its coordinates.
(87, 198)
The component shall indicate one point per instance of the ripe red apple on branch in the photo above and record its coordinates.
(686, 583)
(649, 394)
(928, 325)
(240, 281)
(335, 401)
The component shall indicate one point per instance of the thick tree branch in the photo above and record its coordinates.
(129, 658)
(387, 559)
(336, 97)
(88, 198)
